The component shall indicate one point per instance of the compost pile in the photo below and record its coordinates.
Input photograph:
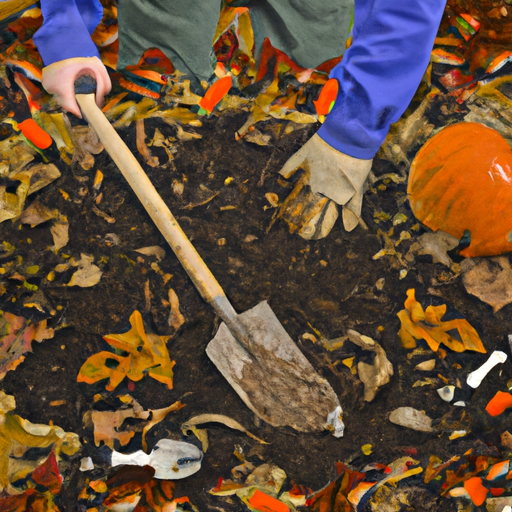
(103, 336)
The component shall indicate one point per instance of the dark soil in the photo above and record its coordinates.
(328, 285)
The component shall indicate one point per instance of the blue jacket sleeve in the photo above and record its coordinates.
(67, 28)
(380, 72)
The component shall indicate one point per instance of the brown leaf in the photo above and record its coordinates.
(108, 425)
(489, 279)
(176, 319)
(36, 214)
(143, 149)
(86, 144)
(375, 375)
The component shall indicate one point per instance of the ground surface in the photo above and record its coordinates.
(329, 285)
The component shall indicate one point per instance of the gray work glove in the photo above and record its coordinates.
(331, 174)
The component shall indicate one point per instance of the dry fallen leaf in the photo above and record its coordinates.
(427, 325)
(87, 274)
(145, 354)
(60, 233)
(176, 319)
(18, 435)
(86, 144)
(30, 180)
(16, 336)
(36, 214)
(108, 425)
(489, 279)
(375, 375)
(142, 147)
(436, 245)
(153, 250)
(217, 418)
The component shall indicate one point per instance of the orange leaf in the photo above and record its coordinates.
(146, 354)
(476, 490)
(413, 306)
(215, 93)
(498, 403)
(428, 325)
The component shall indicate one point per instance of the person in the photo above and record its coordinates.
(377, 76)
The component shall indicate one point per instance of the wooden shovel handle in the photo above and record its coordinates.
(196, 268)
(11, 7)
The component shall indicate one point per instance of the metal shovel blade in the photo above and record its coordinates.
(273, 377)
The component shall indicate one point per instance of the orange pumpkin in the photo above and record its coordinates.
(461, 181)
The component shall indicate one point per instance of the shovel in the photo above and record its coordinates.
(251, 350)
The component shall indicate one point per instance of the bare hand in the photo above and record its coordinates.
(59, 80)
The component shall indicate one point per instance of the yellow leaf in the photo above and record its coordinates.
(366, 449)
(18, 435)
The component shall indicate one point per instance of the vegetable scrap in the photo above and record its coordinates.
(215, 93)
(499, 403)
(419, 324)
(472, 476)
(146, 354)
(354, 490)
(438, 196)
(35, 134)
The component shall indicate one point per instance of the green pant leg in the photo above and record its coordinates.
(308, 31)
(182, 29)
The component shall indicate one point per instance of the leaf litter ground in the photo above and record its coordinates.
(223, 192)
(325, 286)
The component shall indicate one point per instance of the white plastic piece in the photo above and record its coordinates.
(335, 421)
(460, 403)
(171, 460)
(86, 464)
(446, 393)
(475, 378)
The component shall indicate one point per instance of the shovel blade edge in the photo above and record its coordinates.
(273, 377)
